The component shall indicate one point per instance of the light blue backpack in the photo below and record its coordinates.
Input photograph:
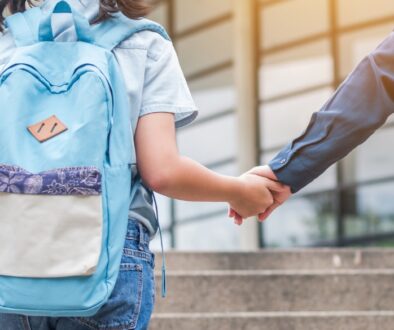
(66, 161)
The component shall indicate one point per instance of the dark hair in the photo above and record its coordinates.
(131, 8)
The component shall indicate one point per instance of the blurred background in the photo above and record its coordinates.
(272, 63)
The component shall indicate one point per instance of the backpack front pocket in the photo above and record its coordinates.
(50, 222)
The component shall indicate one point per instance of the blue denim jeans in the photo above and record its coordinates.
(130, 305)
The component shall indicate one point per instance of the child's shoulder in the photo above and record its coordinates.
(153, 42)
(7, 46)
(6, 40)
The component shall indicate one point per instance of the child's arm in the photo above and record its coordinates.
(166, 172)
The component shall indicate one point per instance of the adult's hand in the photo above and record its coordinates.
(280, 194)
(253, 195)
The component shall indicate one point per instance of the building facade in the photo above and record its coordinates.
(270, 64)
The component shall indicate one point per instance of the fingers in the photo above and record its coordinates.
(270, 183)
(275, 186)
(263, 216)
(272, 180)
(238, 220)
(272, 195)
(264, 171)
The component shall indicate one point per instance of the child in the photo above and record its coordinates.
(157, 88)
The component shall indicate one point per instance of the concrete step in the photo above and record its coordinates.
(282, 259)
(280, 290)
(276, 321)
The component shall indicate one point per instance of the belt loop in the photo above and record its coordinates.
(141, 241)
(25, 322)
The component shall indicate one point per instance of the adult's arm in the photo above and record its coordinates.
(361, 104)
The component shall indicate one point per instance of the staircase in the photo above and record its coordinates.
(319, 289)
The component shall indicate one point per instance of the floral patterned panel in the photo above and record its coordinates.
(64, 181)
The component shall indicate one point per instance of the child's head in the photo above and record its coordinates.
(131, 8)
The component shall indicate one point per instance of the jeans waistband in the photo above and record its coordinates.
(138, 232)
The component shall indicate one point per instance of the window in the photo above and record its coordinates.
(370, 210)
(296, 69)
(192, 13)
(354, 46)
(302, 221)
(299, 70)
(352, 12)
(217, 233)
(205, 49)
(286, 118)
(214, 94)
(207, 143)
(289, 21)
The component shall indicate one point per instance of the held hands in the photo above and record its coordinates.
(254, 195)
(261, 196)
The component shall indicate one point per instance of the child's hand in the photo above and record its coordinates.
(280, 193)
(254, 196)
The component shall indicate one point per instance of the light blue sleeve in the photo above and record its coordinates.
(165, 87)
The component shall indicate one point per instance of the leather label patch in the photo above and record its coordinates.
(47, 129)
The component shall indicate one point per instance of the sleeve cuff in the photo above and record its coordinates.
(293, 174)
(184, 115)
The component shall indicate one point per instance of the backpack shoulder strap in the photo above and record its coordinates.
(23, 26)
(113, 31)
(108, 34)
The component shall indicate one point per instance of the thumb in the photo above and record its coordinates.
(275, 186)
(264, 171)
